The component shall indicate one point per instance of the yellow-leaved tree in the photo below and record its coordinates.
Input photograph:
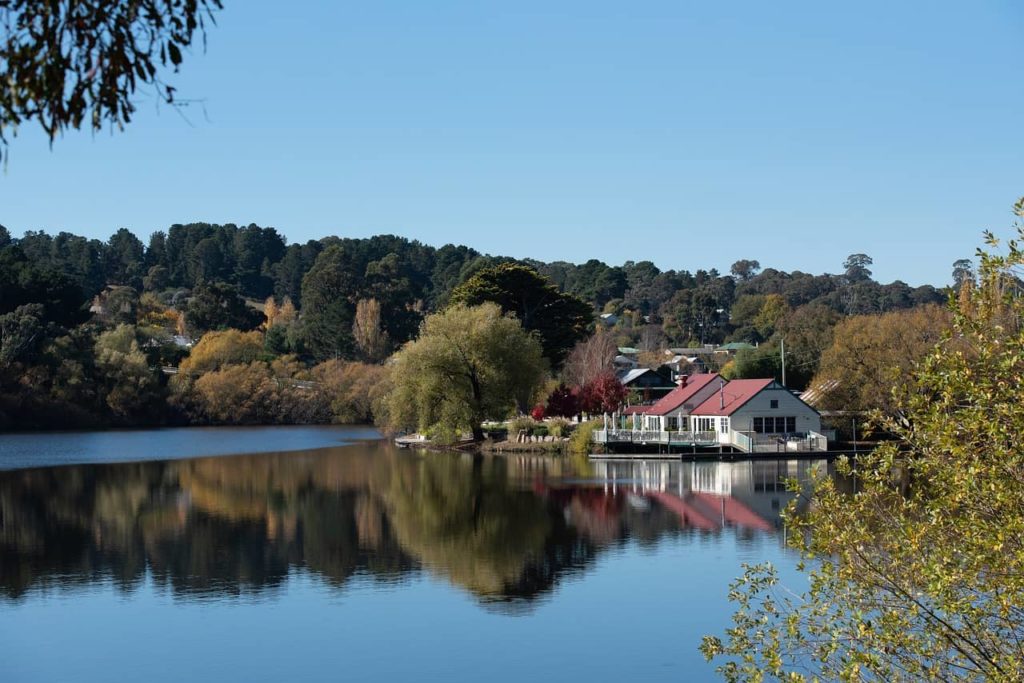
(919, 574)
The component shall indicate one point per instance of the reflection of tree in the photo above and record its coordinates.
(467, 523)
(242, 524)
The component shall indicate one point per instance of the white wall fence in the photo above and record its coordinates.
(646, 436)
(748, 443)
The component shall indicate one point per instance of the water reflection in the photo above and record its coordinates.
(505, 530)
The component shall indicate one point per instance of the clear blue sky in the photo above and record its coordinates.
(691, 134)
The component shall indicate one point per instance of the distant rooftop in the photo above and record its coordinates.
(735, 346)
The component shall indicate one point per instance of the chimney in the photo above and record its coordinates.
(681, 380)
(721, 395)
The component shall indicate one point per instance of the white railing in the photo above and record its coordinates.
(748, 443)
(742, 441)
(780, 443)
(644, 436)
(819, 441)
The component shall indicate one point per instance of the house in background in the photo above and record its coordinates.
(687, 365)
(651, 384)
(623, 364)
(733, 348)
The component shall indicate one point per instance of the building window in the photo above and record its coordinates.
(723, 425)
(672, 424)
(775, 403)
(775, 425)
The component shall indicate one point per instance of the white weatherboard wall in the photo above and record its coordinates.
(807, 420)
(681, 413)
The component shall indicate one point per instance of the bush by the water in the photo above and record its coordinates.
(581, 441)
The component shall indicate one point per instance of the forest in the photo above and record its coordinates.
(209, 324)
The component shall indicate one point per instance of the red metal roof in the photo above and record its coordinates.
(680, 395)
(733, 397)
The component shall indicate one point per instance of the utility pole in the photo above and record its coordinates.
(783, 362)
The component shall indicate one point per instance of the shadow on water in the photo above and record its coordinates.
(507, 530)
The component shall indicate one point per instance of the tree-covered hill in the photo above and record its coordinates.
(81, 317)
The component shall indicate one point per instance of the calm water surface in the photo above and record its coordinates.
(363, 562)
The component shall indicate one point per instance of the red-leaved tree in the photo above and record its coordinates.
(603, 395)
(563, 402)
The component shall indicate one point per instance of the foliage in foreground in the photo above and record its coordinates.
(919, 575)
(70, 64)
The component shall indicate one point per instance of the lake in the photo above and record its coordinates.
(323, 555)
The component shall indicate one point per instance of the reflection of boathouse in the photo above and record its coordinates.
(758, 485)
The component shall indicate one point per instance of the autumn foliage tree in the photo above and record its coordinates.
(351, 391)
(872, 352)
(217, 349)
(563, 402)
(604, 394)
(371, 339)
(918, 574)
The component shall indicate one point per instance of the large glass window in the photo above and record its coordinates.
(775, 425)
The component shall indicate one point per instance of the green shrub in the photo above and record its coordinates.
(521, 424)
(559, 427)
(581, 441)
(539, 430)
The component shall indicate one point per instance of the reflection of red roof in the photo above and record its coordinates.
(681, 395)
(710, 511)
(734, 396)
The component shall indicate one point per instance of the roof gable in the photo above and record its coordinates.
(733, 396)
(680, 395)
(631, 376)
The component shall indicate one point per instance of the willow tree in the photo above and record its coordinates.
(469, 364)
(919, 574)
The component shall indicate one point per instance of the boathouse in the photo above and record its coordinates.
(752, 412)
(747, 415)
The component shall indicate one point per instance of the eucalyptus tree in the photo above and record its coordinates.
(559, 319)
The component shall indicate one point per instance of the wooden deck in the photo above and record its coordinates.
(811, 442)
